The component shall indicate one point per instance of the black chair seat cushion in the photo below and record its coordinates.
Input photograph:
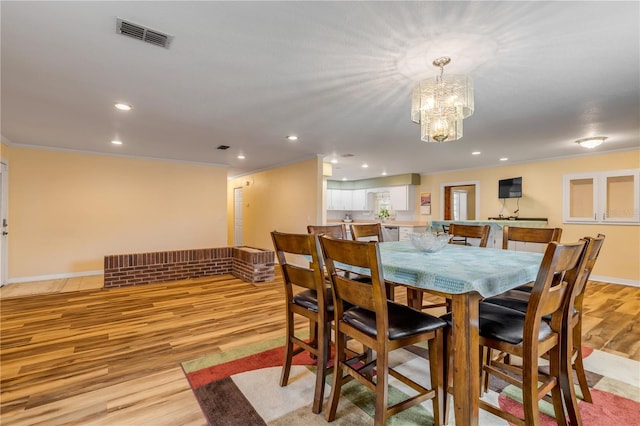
(309, 299)
(517, 304)
(525, 288)
(508, 302)
(502, 323)
(403, 321)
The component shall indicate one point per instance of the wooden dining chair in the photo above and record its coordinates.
(470, 231)
(372, 232)
(576, 319)
(540, 236)
(314, 303)
(528, 336)
(366, 230)
(529, 235)
(519, 299)
(454, 240)
(363, 313)
(337, 231)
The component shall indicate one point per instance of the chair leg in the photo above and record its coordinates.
(382, 388)
(321, 367)
(582, 378)
(338, 360)
(447, 374)
(288, 352)
(578, 365)
(437, 361)
(313, 336)
(530, 390)
(556, 367)
(566, 382)
(390, 290)
(487, 354)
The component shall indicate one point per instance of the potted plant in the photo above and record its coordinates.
(384, 214)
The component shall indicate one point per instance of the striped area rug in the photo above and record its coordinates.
(241, 387)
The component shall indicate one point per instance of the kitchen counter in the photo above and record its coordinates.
(392, 230)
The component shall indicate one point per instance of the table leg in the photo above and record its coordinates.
(414, 298)
(466, 358)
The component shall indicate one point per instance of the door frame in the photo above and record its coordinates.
(4, 218)
(237, 213)
(443, 187)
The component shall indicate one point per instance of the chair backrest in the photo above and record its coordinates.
(560, 270)
(366, 231)
(470, 231)
(305, 274)
(529, 235)
(337, 231)
(595, 244)
(360, 254)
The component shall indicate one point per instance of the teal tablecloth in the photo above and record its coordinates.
(458, 269)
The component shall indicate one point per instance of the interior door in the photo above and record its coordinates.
(459, 205)
(4, 225)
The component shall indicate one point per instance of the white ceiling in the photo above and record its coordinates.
(337, 74)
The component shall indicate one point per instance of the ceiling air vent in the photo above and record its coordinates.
(142, 33)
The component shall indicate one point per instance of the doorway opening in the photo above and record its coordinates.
(460, 201)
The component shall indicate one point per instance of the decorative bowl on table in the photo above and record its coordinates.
(429, 242)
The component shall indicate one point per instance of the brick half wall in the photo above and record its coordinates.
(247, 263)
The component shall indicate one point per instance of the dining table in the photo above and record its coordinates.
(465, 275)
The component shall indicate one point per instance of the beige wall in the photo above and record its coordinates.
(542, 197)
(286, 199)
(67, 210)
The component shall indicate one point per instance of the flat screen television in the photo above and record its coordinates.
(510, 188)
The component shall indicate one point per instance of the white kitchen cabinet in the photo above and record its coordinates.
(347, 199)
(359, 200)
(336, 199)
(399, 197)
(395, 197)
(602, 197)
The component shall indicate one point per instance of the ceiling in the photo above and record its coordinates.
(336, 74)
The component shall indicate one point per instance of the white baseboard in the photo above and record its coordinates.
(54, 276)
(613, 280)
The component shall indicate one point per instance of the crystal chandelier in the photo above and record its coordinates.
(440, 104)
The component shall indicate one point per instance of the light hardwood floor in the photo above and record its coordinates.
(112, 357)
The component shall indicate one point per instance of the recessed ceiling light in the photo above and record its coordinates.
(123, 107)
(591, 142)
(344, 178)
(476, 153)
(504, 159)
(292, 137)
(384, 173)
(334, 161)
(365, 165)
(241, 157)
(116, 142)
